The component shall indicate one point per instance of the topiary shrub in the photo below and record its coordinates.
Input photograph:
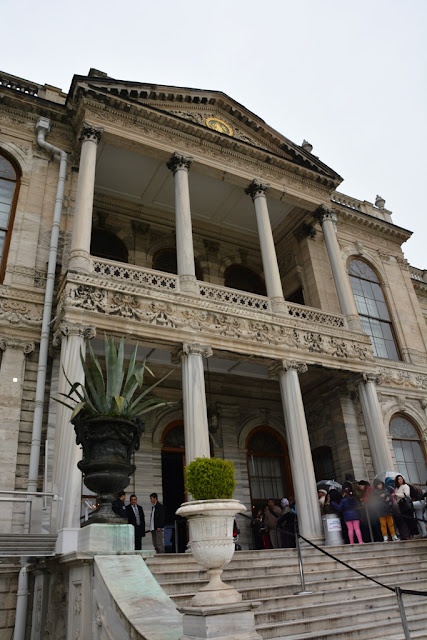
(210, 479)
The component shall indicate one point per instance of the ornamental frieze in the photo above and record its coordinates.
(18, 312)
(145, 306)
(403, 378)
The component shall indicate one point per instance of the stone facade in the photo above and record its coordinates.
(170, 174)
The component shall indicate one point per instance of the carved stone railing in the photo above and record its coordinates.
(19, 84)
(418, 274)
(135, 275)
(216, 293)
(211, 292)
(346, 201)
(315, 315)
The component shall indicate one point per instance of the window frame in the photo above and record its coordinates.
(379, 319)
(418, 440)
(13, 206)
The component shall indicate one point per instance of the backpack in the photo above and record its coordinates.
(415, 492)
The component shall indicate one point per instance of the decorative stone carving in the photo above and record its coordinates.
(284, 365)
(67, 329)
(18, 312)
(189, 349)
(323, 213)
(7, 342)
(90, 132)
(179, 161)
(257, 188)
(403, 378)
(372, 377)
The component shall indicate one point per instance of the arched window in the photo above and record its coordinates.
(237, 276)
(9, 188)
(165, 260)
(268, 466)
(408, 450)
(323, 463)
(372, 308)
(105, 244)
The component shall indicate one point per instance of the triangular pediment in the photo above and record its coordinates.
(212, 111)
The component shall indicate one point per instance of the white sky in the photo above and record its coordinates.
(349, 76)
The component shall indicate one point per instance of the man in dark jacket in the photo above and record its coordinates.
(119, 506)
(157, 522)
(135, 516)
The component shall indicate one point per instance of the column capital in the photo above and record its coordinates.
(6, 342)
(179, 161)
(323, 213)
(67, 329)
(286, 365)
(376, 378)
(91, 133)
(257, 188)
(188, 349)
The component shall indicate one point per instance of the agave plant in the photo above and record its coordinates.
(118, 394)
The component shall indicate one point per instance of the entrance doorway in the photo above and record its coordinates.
(173, 463)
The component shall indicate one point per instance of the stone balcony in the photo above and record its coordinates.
(149, 306)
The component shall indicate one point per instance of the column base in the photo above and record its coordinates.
(228, 622)
(80, 261)
(188, 284)
(278, 305)
(353, 323)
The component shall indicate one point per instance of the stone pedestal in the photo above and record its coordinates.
(107, 538)
(227, 622)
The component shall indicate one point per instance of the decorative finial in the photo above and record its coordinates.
(379, 202)
(307, 146)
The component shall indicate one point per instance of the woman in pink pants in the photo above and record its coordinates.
(349, 507)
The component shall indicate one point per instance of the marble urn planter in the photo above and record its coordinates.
(108, 443)
(212, 545)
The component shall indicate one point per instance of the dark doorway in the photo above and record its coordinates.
(173, 483)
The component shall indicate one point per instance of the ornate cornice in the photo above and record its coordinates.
(188, 349)
(179, 161)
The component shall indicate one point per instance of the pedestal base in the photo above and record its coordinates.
(228, 622)
(107, 538)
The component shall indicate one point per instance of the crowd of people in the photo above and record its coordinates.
(389, 510)
(273, 525)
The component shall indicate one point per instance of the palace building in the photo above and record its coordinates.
(175, 217)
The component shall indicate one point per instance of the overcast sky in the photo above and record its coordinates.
(349, 76)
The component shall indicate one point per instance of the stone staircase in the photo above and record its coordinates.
(28, 545)
(343, 605)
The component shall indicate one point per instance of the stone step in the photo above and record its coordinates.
(300, 607)
(381, 616)
(286, 573)
(279, 595)
(33, 545)
(388, 629)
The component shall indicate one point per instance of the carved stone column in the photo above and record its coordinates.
(328, 219)
(12, 373)
(82, 225)
(66, 477)
(180, 166)
(304, 481)
(196, 430)
(257, 191)
(375, 428)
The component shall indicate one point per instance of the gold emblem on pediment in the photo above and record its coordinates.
(219, 125)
